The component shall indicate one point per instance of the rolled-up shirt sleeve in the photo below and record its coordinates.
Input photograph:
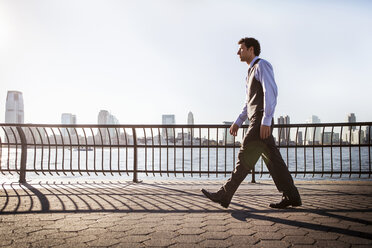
(242, 117)
(265, 75)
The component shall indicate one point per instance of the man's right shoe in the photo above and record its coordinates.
(216, 197)
(285, 202)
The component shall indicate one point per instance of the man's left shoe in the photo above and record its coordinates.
(285, 202)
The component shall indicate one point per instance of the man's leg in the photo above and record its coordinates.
(247, 158)
(248, 155)
(280, 174)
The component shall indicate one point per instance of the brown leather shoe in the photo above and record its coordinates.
(216, 197)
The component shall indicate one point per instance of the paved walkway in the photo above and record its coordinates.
(175, 214)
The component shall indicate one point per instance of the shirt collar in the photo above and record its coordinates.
(252, 62)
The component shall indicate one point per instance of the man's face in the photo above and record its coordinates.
(245, 54)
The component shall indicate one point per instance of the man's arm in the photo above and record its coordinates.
(265, 75)
(238, 123)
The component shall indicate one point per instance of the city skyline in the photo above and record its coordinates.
(15, 111)
(353, 135)
(141, 59)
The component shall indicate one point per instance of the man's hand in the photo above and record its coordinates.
(264, 131)
(234, 129)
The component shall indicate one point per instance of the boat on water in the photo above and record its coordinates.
(83, 148)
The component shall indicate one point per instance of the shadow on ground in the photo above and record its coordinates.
(325, 208)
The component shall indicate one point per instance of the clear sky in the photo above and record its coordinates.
(141, 59)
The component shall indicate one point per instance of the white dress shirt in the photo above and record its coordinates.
(265, 75)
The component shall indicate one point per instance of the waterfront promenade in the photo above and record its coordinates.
(174, 213)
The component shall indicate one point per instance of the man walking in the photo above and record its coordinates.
(259, 108)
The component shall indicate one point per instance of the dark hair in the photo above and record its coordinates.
(248, 42)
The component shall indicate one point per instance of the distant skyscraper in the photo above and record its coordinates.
(68, 119)
(106, 118)
(299, 138)
(167, 120)
(190, 121)
(367, 134)
(14, 112)
(351, 118)
(283, 133)
(113, 133)
(310, 132)
(103, 117)
(331, 138)
(190, 118)
(352, 133)
(227, 137)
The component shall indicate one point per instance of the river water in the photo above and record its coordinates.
(317, 160)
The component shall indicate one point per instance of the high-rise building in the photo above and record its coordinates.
(299, 138)
(169, 132)
(283, 133)
(106, 118)
(228, 139)
(113, 133)
(311, 137)
(190, 118)
(351, 118)
(351, 134)
(190, 121)
(68, 119)
(14, 112)
(331, 138)
(367, 134)
(103, 117)
(354, 136)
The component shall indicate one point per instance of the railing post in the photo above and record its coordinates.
(22, 174)
(135, 160)
(253, 175)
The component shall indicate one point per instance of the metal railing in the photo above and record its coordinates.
(332, 149)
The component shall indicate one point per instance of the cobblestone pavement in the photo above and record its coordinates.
(175, 214)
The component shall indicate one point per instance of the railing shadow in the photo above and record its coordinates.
(171, 197)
